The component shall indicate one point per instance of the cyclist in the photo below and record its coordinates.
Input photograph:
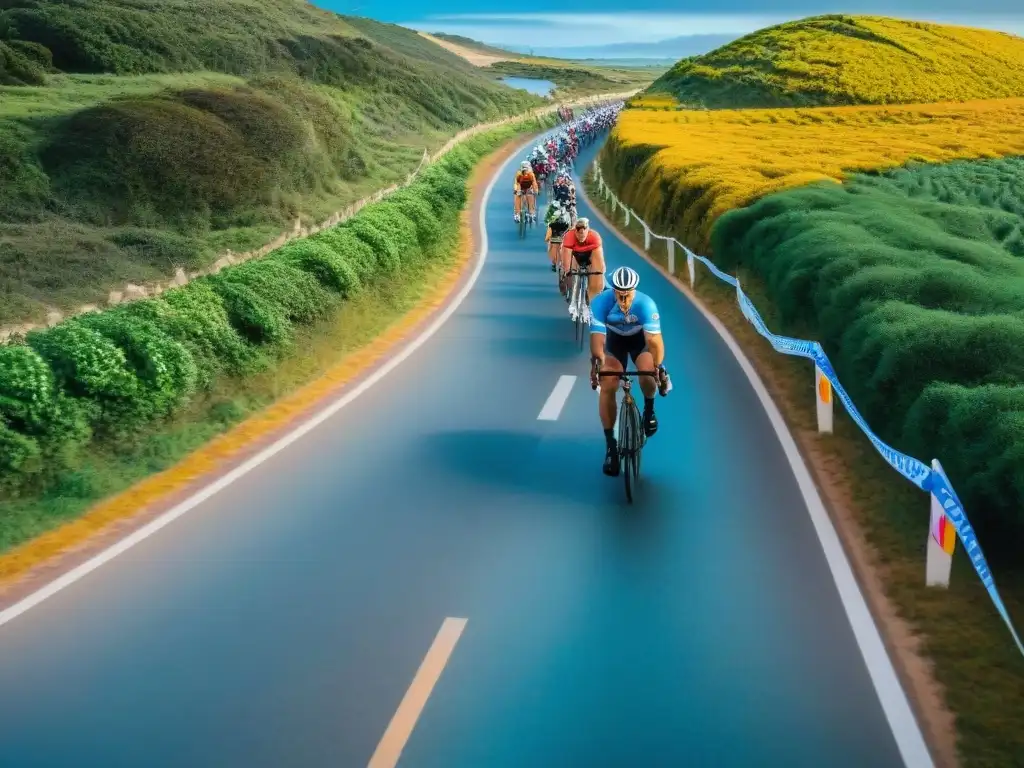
(525, 184)
(564, 191)
(626, 325)
(557, 219)
(582, 246)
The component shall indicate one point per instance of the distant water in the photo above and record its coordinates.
(534, 86)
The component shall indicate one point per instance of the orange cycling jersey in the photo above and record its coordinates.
(525, 180)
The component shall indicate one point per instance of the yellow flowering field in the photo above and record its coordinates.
(838, 59)
(707, 162)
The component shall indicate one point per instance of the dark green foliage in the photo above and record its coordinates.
(328, 266)
(375, 235)
(912, 281)
(99, 379)
(18, 65)
(330, 109)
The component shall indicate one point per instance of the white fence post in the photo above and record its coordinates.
(690, 267)
(627, 215)
(671, 244)
(823, 396)
(647, 238)
(941, 541)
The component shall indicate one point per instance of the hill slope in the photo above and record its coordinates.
(137, 136)
(834, 60)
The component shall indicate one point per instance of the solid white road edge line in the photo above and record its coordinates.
(397, 734)
(556, 400)
(904, 725)
(168, 517)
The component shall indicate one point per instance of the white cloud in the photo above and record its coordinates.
(589, 28)
(567, 29)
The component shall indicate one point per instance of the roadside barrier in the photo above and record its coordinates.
(947, 512)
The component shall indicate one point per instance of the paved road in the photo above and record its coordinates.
(282, 621)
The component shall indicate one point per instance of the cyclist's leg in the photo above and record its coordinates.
(533, 203)
(517, 205)
(644, 361)
(614, 361)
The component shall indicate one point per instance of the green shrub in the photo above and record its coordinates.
(329, 267)
(416, 208)
(89, 366)
(353, 250)
(385, 250)
(197, 318)
(401, 232)
(909, 280)
(254, 317)
(165, 369)
(18, 453)
(296, 294)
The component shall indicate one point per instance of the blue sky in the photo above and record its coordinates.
(603, 22)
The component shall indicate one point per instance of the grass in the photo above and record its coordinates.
(840, 59)
(317, 349)
(681, 170)
(185, 128)
(975, 662)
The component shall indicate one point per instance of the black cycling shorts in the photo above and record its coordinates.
(583, 259)
(624, 348)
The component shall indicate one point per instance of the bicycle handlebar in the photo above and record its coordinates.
(653, 374)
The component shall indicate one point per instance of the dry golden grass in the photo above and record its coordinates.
(713, 161)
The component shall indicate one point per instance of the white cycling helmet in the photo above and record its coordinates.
(625, 279)
(525, 165)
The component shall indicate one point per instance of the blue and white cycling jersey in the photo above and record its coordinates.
(608, 316)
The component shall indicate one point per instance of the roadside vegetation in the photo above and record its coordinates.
(103, 399)
(964, 643)
(141, 136)
(889, 228)
(681, 170)
(840, 59)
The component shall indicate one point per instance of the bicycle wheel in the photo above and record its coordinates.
(522, 222)
(627, 447)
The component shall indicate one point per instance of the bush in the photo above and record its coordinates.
(295, 294)
(401, 232)
(908, 280)
(165, 369)
(385, 250)
(329, 267)
(255, 318)
(89, 366)
(356, 252)
(416, 208)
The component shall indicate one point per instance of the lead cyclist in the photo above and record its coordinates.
(626, 325)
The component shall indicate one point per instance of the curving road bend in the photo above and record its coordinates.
(282, 621)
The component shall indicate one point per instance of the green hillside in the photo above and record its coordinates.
(137, 136)
(836, 59)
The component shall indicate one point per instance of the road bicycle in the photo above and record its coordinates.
(632, 437)
(525, 219)
(579, 302)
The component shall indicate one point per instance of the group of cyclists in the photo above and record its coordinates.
(624, 323)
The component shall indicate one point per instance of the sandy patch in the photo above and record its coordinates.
(473, 57)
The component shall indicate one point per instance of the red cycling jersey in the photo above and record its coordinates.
(590, 243)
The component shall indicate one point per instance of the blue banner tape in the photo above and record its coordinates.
(914, 470)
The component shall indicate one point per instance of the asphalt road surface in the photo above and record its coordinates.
(282, 621)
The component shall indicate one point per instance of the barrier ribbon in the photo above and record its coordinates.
(914, 470)
(917, 472)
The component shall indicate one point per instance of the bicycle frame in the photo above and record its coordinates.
(631, 434)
